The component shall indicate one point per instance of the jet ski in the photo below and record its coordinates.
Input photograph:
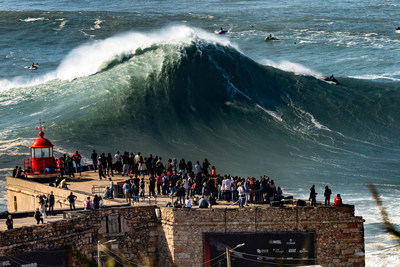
(331, 80)
(221, 32)
(34, 67)
(271, 38)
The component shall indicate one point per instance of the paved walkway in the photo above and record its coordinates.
(85, 183)
(28, 221)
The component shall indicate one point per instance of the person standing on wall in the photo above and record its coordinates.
(327, 195)
(51, 203)
(94, 160)
(313, 196)
(76, 157)
(112, 187)
(241, 195)
(127, 188)
(71, 199)
(152, 185)
(110, 165)
(41, 207)
(118, 163)
(15, 171)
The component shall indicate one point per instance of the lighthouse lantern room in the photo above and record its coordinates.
(42, 163)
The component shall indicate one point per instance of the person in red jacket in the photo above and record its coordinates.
(338, 200)
(76, 157)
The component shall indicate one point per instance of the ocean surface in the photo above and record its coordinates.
(154, 77)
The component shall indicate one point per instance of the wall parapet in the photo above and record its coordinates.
(81, 230)
(177, 237)
(331, 225)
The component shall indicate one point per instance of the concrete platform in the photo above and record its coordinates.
(81, 186)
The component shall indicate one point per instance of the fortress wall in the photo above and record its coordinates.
(177, 236)
(339, 235)
(134, 229)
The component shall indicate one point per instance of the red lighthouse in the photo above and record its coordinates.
(42, 163)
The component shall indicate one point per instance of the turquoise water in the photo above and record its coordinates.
(153, 76)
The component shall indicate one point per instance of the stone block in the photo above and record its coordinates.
(183, 256)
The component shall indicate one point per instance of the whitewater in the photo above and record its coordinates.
(140, 76)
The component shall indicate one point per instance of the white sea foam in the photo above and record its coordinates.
(62, 24)
(86, 34)
(296, 68)
(96, 25)
(316, 123)
(305, 115)
(89, 58)
(195, 15)
(273, 114)
(371, 34)
(29, 19)
(384, 76)
(301, 112)
(306, 42)
(20, 81)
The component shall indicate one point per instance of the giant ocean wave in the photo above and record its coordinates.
(198, 96)
(186, 92)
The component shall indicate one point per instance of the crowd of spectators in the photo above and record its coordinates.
(180, 179)
(183, 180)
(189, 184)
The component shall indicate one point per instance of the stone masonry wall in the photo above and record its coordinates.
(175, 238)
(134, 229)
(339, 235)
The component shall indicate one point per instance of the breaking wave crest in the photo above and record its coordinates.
(180, 86)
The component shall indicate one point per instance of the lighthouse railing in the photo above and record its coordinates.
(43, 167)
(28, 165)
